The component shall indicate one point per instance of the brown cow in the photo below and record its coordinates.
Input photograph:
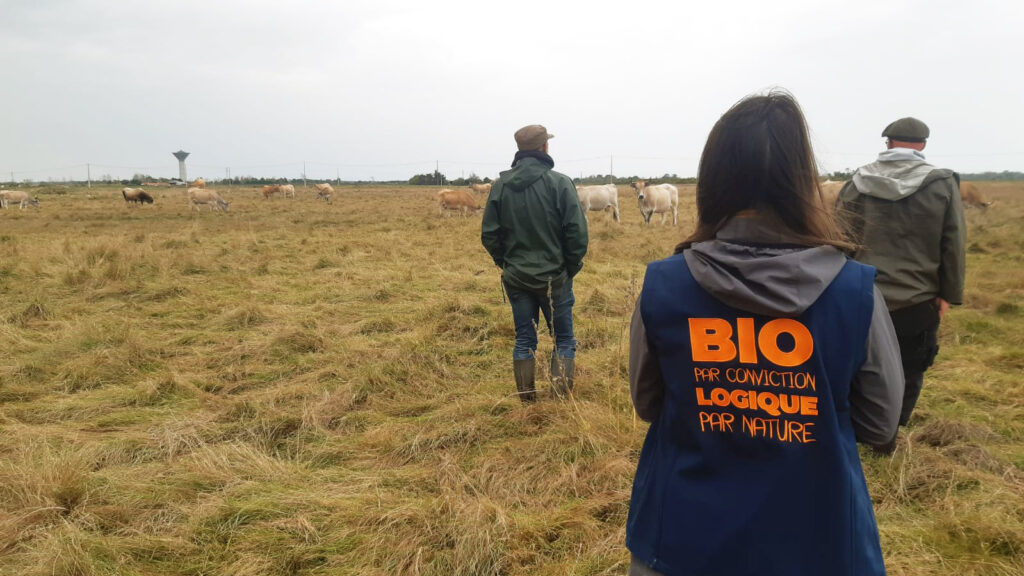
(199, 183)
(137, 195)
(971, 196)
(271, 189)
(457, 200)
(481, 188)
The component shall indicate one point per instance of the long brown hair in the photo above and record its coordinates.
(758, 157)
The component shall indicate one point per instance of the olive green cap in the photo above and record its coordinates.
(907, 130)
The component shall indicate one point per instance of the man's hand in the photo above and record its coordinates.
(943, 306)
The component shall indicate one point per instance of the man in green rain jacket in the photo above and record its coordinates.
(535, 231)
(909, 221)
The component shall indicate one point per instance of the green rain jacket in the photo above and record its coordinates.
(908, 219)
(533, 226)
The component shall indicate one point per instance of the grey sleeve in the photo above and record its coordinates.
(876, 394)
(645, 382)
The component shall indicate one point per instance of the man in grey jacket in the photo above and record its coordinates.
(908, 219)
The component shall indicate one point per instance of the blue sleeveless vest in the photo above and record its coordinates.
(752, 467)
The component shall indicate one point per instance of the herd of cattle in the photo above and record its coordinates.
(651, 198)
(199, 195)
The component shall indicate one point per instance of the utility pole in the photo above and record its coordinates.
(437, 172)
(88, 176)
(303, 173)
(227, 175)
(337, 175)
(611, 169)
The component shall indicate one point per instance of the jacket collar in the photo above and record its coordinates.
(535, 154)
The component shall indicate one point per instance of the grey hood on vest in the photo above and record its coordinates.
(896, 174)
(753, 264)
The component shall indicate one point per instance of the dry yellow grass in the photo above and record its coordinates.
(302, 388)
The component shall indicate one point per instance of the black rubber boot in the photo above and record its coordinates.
(524, 370)
(911, 391)
(562, 372)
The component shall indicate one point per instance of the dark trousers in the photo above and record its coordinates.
(917, 330)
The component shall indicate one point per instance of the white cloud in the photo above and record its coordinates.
(398, 85)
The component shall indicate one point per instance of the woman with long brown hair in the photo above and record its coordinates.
(760, 354)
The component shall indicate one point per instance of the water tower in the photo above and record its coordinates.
(181, 155)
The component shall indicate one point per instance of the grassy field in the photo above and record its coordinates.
(301, 388)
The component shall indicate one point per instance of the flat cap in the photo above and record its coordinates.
(532, 137)
(907, 130)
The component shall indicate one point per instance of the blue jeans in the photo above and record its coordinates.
(525, 307)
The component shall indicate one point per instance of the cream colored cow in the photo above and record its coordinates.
(599, 198)
(203, 196)
(324, 191)
(830, 193)
(657, 199)
(19, 196)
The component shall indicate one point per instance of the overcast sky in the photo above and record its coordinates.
(385, 89)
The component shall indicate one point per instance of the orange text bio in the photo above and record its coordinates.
(769, 402)
(711, 340)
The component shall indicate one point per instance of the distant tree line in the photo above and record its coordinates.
(439, 179)
(627, 180)
(1004, 176)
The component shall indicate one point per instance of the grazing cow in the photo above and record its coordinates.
(199, 183)
(481, 188)
(972, 197)
(324, 191)
(599, 198)
(657, 199)
(830, 193)
(287, 189)
(136, 195)
(19, 196)
(197, 196)
(457, 200)
(271, 189)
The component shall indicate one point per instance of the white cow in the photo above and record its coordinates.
(19, 196)
(599, 198)
(657, 199)
(209, 197)
(287, 189)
